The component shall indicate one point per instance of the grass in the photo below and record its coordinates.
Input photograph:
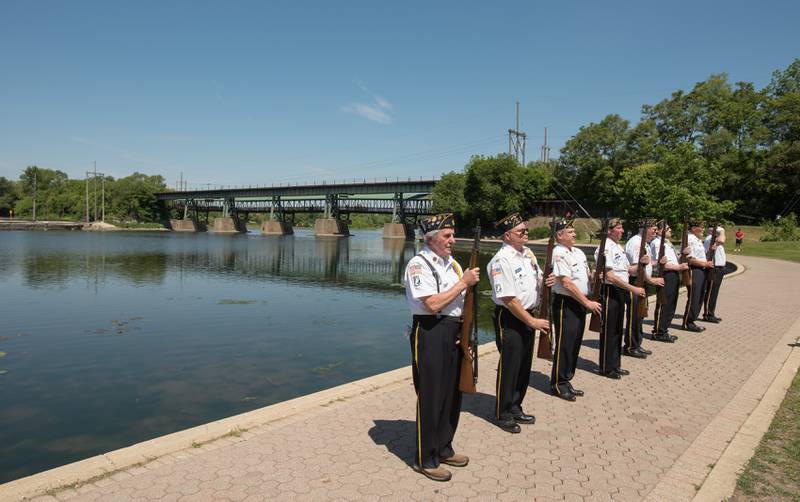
(786, 250)
(774, 471)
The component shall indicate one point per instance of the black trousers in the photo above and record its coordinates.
(613, 303)
(664, 313)
(436, 364)
(712, 291)
(569, 321)
(694, 296)
(633, 323)
(514, 340)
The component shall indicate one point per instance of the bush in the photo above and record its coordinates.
(539, 233)
(783, 230)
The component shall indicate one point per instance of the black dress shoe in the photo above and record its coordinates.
(509, 425)
(712, 319)
(613, 374)
(658, 337)
(672, 337)
(567, 395)
(634, 353)
(524, 418)
(622, 371)
(643, 351)
(577, 392)
(694, 328)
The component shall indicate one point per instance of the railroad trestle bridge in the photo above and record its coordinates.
(405, 200)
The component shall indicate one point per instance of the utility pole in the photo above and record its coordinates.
(95, 190)
(545, 148)
(34, 195)
(516, 141)
(87, 196)
(103, 185)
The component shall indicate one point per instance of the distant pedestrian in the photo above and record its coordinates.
(739, 238)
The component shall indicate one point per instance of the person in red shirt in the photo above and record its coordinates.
(739, 238)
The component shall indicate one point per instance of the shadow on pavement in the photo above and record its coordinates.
(397, 436)
(480, 405)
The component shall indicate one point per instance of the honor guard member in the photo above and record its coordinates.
(698, 265)
(616, 288)
(435, 287)
(633, 323)
(712, 287)
(571, 271)
(671, 275)
(516, 280)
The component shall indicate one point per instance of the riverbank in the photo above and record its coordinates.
(681, 411)
(46, 225)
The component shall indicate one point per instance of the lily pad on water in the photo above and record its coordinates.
(248, 399)
(324, 370)
(136, 318)
(2, 354)
(3, 372)
(236, 302)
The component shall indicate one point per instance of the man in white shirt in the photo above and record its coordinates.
(516, 284)
(435, 288)
(670, 270)
(714, 280)
(633, 323)
(570, 304)
(698, 265)
(617, 291)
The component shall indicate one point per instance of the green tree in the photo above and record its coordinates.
(8, 196)
(133, 198)
(448, 194)
(681, 183)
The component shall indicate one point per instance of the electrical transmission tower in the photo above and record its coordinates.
(516, 141)
(545, 148)
(93, 176)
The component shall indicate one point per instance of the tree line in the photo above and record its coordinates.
(721, 150)
(129, 199)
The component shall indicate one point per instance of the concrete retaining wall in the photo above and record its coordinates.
(331, 227)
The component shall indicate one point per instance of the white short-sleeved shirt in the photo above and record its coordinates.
(669, 251)
(515, 273)
(420, 282)
(719, 254)
(570, 263)
(696, 248)
(616, 260)
(632, 252)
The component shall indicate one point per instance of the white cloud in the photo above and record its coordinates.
(377, 111)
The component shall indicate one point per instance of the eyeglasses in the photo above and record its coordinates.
(521, 232)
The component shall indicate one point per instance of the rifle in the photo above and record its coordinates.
(710, 254)
(661, 295)
(641, 270)
(596, 321)
(469, 328)
(545, 351)
(686, 275)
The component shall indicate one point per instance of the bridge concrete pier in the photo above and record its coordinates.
(229, 225)
(275, 227)
(187, 225)
(398, 231)
(331, 227)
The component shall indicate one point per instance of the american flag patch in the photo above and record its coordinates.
(414, 269)
(497, 270)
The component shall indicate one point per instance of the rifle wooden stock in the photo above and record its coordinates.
(469, 328)
(596, 321)
(686, 275)
(545, 351)
(661, 294)
(641, 271)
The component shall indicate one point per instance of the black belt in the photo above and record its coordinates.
(531, 311)
(439, 317)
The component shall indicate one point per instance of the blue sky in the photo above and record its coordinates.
(252, 93)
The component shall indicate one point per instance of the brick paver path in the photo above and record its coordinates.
(618, 442)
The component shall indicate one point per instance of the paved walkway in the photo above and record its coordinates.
(655, 434)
